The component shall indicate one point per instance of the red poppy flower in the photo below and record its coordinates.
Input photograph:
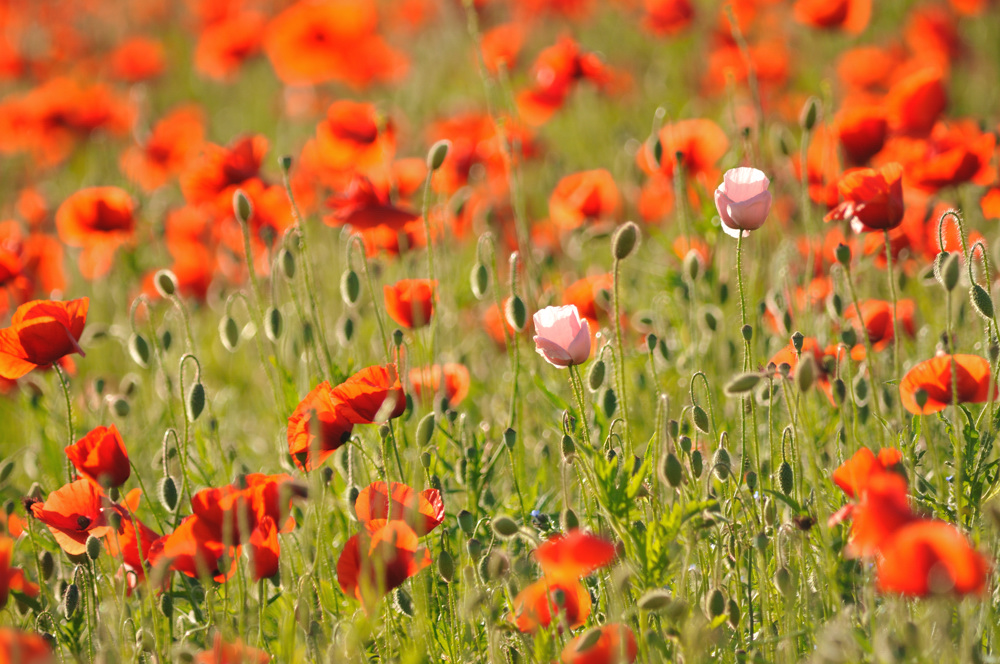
(98, 219)
(194, 549)
(665, 18)
(410, 302)
(426, 382)
(219, 171)
(264, 549)
(365, 207)
(24, 648)
(584, 294)
(883, 509)
(953, 153)
(616, 645)
(853, 475)
(374, 392)
(862, 131)
(588, 195)
(930, 558)
(378, 502)
(324, 40)
(171, 144)
(73, 513)
(501, 45)
(223, 652)
(100, 457)
(574, 555)
(374, 563)
(851, 16)
(354, 136)
(873, 199)
(915, 102)
(933, 376)
(132, 545)
(877, 317)
(12, 578)
(565, 599)
(40, 333)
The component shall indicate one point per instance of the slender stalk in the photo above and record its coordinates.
(895, 322)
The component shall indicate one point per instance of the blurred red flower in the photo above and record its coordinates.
(40, 333)
(98, 219)
(410, 302)
(100, 457)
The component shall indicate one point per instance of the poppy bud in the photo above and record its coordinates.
(402, 602)
(516, 313)
(480, 279)
(843, 254)
(425, 430)
(760, 541)
(595, 375)
(700, 419)
(138, 348)
(741, 384)
(474, 548)
(346, 330)
(715, 602)
(839, 391)
(721, 464)
(697, 463)
(242, 207)
(805, 373)
(654, 600)
(685, 443)
(167, 605)
(120, 407)
(950, 271)
(797, 339)
(195, 402)
(93, 547)
(670, 470)
(624, 240)
(350, 287)
(568, 519)
(658, 151)
(609, 402)
(751, 480)
(446, 566)
(437, 154)
(587, 641)
(351, 496)
(47, 564)
(425, 460)
(861, 388)
(734, 614)
(568, 448)
(165, 282)
(397, 338)
(747, 332)
(711, 322)
(692, 265)
(770, 511)
(273, 323)
(229, 333)
(466, 522)
(285, 163)
(71, 599)
(168, 493)
(849, 336)
(981, 301)
(286, 260)
(786, 478)
(783, 581)
(809, 114)
(504, 526)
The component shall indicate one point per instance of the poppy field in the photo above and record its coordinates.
(580, 331)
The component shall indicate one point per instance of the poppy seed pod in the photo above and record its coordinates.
(195, 402)
(809, 114)
(743, 200)
(229, 333)
(350, 287)
(437, 154)
(843, 254)
(480, 280)
(981, 301)
(165, 282)
(138, 348)
(516, 313)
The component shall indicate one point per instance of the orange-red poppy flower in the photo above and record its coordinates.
(365, 207)
(501, 45)
(862, 131)
(225, 45)
(237, 652)
(853, 475)
(379, 502)
(616, 645)
(882, 510)
(171, 144)
(584, 196)
(314, 41)
(377, 561)
(73, 513)
(934, 377)
(560, 598)
(426, 382)
(930, 558)
(138, 59)
(873, 199)
(24, 648)
(575, 554)
(12, 578)
(877, 317)
(354, 136)
(264, 549)
(851, 16)
(215, 175)
(954, 153)
(666, 18)
(410, 302)
(373, 394)
(100, 457)
(584, 295)
(98, 219)
(40, 333)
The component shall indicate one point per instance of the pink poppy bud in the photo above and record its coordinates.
(743, 200)
(562, 337)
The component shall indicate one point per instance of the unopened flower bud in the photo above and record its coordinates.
(437, 154)
(165, 283)
(624, 240)
(242, 207)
